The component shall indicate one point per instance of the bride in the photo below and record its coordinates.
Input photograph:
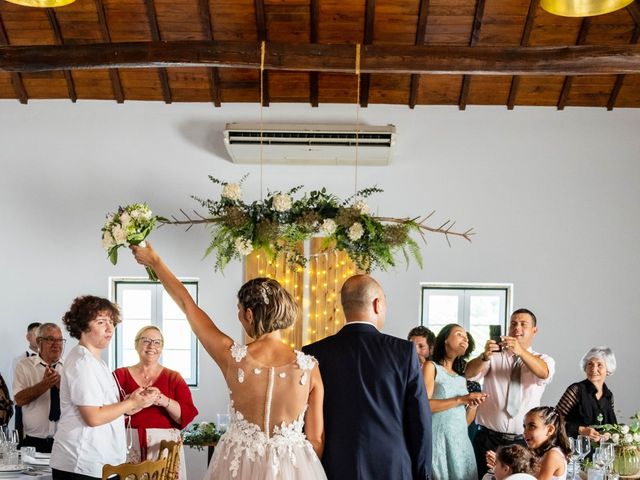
(276, 429)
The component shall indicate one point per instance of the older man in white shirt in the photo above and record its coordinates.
(36, 384)
(514, 378)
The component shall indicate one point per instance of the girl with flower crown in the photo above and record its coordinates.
(276, 425)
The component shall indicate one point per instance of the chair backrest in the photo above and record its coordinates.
(147, 470)
(173, 458)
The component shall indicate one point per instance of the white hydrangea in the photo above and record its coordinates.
(243, 246)
(355, 231)
(361, 206)
(328, 226)
(119, 234)
(107, 241)
(615, 438)
(281, 202)
(232, 191)
(624, 429)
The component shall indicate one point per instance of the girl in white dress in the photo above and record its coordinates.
(545, 435)
(276, 428)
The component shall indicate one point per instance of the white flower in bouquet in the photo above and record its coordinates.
(328, 226)
(636, 437)
(624, 429)
(107, 240)
(628, 438)
(362, 207)
(355, 231)
(232, 191)
(281, 202)
(119, 234)
(243, 246)
(615, 438)
(125, 220)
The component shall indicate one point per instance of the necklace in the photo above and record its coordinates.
(149, 376)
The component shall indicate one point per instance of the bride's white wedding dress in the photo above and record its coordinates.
(265, 438)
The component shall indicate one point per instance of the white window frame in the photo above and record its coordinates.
(116, 348)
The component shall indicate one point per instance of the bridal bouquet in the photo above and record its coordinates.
(201, 434)
(130, 225)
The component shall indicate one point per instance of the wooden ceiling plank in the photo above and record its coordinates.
(314, 77)
(114, 74)
(365, 78)
(214, 76)
(16, 77)
(421, 32)
(524, 41)
(475, 35)
(634, 11)
(566, 86)
(330, 58)
(57, 34)
(613, 98)
(152, 17)
(261, 28)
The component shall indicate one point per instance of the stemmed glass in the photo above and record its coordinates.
(580, 448)
(607, 453)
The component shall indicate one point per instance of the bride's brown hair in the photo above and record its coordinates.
(273, 307)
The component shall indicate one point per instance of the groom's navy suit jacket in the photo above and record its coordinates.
(376, 413)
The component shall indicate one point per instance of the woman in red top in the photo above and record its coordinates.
(172, 411)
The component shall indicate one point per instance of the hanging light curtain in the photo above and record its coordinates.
(42, 3)
(582, 8)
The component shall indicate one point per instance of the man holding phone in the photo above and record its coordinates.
(514, 378)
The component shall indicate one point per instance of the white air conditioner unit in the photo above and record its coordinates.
(294, 144)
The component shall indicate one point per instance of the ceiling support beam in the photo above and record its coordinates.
(566, 86)
(207, 27)
(314, 77)
(524, 41)
(613, 98)
(261, 27)
(365, 78)
(16, 78)
(400, 59)
(114, 74)
(634, 11)
(421, 31)
(155, 36)
(475, 35)
(57, 35)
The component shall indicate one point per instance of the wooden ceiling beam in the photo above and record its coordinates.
(57, 35)
(314, 77)
(524, 41)
(155, 36)
(261, 27)
(421, 32)
(16, 78)
(634, 11)
(365, 78)
(334, 58)
(207, 27)
(475, 35)
(566, 86)
(613, 98)
(114, 74)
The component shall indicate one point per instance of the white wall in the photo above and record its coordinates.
(553, 196)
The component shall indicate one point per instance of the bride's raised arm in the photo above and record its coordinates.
(213, 340)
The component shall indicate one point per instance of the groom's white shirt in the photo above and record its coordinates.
(365, 323)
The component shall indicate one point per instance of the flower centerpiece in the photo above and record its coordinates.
(626, 438)
(201, 434)
(129, 225)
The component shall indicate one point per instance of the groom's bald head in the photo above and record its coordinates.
(363, 300)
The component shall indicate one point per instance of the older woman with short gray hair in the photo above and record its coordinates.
(590, 402)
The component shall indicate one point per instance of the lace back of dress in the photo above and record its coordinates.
(273, 399)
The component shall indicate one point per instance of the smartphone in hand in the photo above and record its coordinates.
(495, 334)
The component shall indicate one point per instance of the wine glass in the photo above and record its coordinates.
(574, 457)
(608, 453)
(599, 460)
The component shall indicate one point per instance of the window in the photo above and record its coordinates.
(473, 306)
(147, 303)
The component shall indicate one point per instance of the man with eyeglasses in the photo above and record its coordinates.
(37, 386)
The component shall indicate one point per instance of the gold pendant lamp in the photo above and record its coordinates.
(582, 8)
(42, 3)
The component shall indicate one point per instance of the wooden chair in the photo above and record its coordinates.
(173, 458)
(147, 470)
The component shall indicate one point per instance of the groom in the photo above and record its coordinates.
(376, 413)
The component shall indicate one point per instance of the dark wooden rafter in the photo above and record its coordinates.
(16, 77)
(634, 11)
(114, 75)
(57, 35)
(524, 41)
(261, 28)
(566, 86)
(421, 31)
(475, 35)
(314, 77)
(207, 27)
(613, 97)
(333, 58)
(155, 36)
(365, 78)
